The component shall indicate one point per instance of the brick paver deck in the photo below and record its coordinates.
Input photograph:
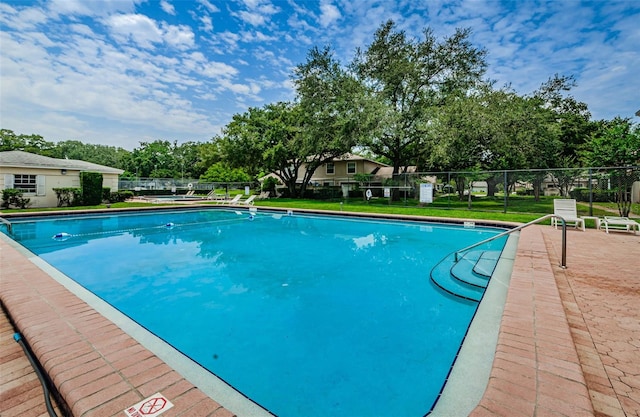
(601, 294)
(568, 343)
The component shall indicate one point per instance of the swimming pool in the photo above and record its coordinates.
(306, 315)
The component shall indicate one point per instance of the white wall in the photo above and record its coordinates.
(54, 178)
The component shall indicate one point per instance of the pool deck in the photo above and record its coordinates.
(568, 342)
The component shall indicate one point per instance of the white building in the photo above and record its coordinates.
(36, 175)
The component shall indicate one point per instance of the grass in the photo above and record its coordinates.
(520, 209)
(395, 208)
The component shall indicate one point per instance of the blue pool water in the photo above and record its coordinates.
(305, 315)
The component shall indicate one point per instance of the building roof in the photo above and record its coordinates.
(354, 157)
(387, 171)
(21, 159)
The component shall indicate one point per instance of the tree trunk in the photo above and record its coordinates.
(623, 198)
(491, 186)
(460, 187)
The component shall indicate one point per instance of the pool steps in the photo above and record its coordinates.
(469, 276)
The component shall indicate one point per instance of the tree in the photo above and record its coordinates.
(616, 144)
(571, 116)
(208, 153)
(187, 160)
(9, 141)
(98, 154)
(330, 109)
(493, 130)
(154, 159)
(407, 80)
(283, 137)
(220, 172)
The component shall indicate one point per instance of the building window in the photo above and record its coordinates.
(351, 167)
(331, 168)
(25, 183)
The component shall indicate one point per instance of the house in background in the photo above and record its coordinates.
(342, 171)
(36, 175)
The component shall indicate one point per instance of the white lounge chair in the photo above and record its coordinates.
(213, 196)
(249, 200)
(566, 208)
(234, 200)
(189, 193)
(620, 223)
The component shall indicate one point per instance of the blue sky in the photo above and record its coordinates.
(118, 72)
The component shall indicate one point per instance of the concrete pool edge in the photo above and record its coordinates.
(201, 379)
(492, 396)
(469, 376)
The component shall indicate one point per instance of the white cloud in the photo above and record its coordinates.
(256, 36)
(63, 76)
(24, 19)
(145, 32)
(251, 89)
(257, 13)
(167, 7)
(329, 14)
(207, 23)
(92, 8)
(180, 37)
(253, 18)
(218, 70)
(135, 27)
(209, 6)
(228, 40)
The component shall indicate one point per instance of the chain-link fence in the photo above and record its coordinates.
(598, 191)
(609, 189)
(168, 186)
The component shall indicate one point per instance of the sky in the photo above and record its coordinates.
(121, 72)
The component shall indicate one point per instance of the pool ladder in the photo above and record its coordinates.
(8, 224)
(466, 272)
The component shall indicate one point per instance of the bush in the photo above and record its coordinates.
(13, 197)
(600, 196)
(325, 193)
(120, 196)
(356, 194)
(270, 184)
(524, 191)
(91, 184)
(68, 196)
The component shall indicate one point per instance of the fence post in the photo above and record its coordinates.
(506, 192)
(449, 190)
(590, 193)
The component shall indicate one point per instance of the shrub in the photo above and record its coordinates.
(120, 196)
(68, 196)
(91, 184)
(356, 194)
(269, 184)
(600, 196)
(13, 197)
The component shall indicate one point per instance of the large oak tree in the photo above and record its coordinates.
(407, 80)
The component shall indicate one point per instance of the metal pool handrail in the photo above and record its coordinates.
(8, 223)
(563, 263)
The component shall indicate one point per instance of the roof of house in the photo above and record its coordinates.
(354, 157)
(387, 171)
(21, 159)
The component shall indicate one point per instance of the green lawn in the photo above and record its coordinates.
(520, 209)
